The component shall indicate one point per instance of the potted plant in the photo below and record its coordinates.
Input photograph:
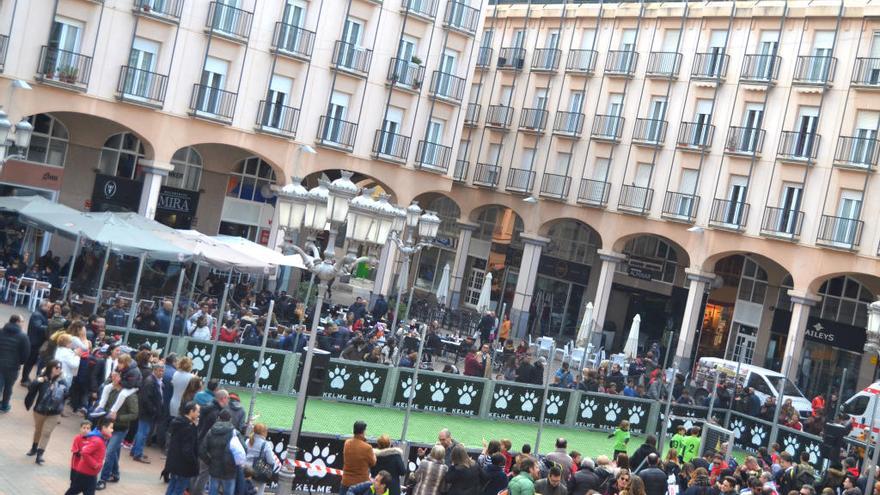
(69, 74)
(416, 60)
(146, 7)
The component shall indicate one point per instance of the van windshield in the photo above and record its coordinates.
(790, 388)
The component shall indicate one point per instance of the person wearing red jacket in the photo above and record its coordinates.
(88, 456)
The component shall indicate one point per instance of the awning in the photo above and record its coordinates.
(133, 238)
(210, 251)
(47, 215)
(261, 252)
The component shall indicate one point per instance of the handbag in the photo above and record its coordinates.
(263, 471)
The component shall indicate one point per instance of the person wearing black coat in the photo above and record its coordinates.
(389, 459)
(485, 326)
(585, 480)
(46, 395)
(150, 402)
(463, 476)
(14, 351)
(525, 372)
(380, 309)
(212, 411)
(656, 481)
(493, 478)
(37, 333)
(182, 463)
(644, 450)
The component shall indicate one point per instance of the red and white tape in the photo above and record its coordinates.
(314, 467)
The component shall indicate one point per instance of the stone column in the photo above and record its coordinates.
(525, 282)
(153, 175)
(801, 302)
(465, 231)
(691, 319)
(610, 259)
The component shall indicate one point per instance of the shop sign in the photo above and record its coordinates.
(828, 332)
(32, 175)
(641, 273)
(173, 200)
(115, 194)
(564, 270)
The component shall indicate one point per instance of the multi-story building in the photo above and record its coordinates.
(705, 165)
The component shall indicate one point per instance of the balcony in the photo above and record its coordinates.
(555, 186)
(499, 116)
(857, 152)
(695, 136)
(162, 10)
(814, 71)
(782, 223)
(64, 68)
(746, 141)
(760, 69)
(798, 147)
(840, 232)
(663, 65)
(336, 133)
(212, 103)
(460, 172)
(546, 59)
(710, 66)
(520, 180)
(472, 114)
(581, 62)
(649, 132)
(425, 9)
(229, 22)
(141, 86)
(730, 215)
(511, 58)
(447, 87)
(594, 193)
(866, 73)
(484, 57)
(635, 199)
(406, 75)
(461, 17)
(275, 118)
(4, 45)
(487, 175)
(569, 124)
(390, 146)
(680, 206)
(352, 59)
(607, 128)
(621, 63)
(293, 41)
(433, 157)
(533, 120)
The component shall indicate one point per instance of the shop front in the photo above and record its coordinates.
(177, 208)
(558, 296)
(118, 194)
(19, 178)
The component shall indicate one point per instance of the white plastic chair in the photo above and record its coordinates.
(545, 346)
(577, 358)
(564, 351)
(39, 292)
(21, 289)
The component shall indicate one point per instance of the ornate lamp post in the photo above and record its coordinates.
(13, 138)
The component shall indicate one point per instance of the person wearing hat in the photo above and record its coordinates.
(237, 411)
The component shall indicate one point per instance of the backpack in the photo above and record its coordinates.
(802, 477)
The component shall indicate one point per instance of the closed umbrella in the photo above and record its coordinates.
(632, 342)
(584, 336)
(485, 294)
(443, 288)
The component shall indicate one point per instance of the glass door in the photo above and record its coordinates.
(808, 122)
(751, 131)
(336, 117)
(351, 38)
(277, 99)
(226, 15)
(390, 131)
(615, 107)
(848, 210)
(656, 114)
(433, 141)
(628, 46)
(65, 37)
(820, 64)
(790, 206)
(736, 198)
(212, 83)
(294, 18)
(702, 123)
(864, 142)
(715, 64)
(447, 70)
(142, 62)
(687, 187)
(744, 344)
(767, 51)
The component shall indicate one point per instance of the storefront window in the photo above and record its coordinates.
(187, 173)
(48, 142)
(752, 283)
(844, 300)
(250, 180)
(650, 257)
(121, 154)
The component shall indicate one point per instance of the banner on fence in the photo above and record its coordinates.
(748, 433)
(605, 412)
(320, 452)
(687, 416)
(795, 442)
(355, 382)
(451, 394)
(155, 341)
(522, 403)
(236, 366)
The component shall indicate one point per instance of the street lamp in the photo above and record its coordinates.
(18, 137)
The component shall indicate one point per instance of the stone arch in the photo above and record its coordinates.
(872, 282)
(213, 154)
(547, 227)
(620, 245)
(92, 131)
(360, 179)
(511, 222)
(776, 271)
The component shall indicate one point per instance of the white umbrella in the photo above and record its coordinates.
(443, 288)
(485, 294)
(632, 342)
(584, 330)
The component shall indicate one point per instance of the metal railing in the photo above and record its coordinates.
(424, 8)
(533, 119)
(433, 156)
(511, 58)
(729, 214)
(520, 179)
(695, 135)
(555, 186)
(744, 140)
(866, 72)
(499, 116)
(635, 198)
(681, 206)
(212, 102)
(810, 69)
(782, 222)
(760, 68)
(472, 114)
(352, 58)
(448, 86)
(798, 146)
(228, 20)
(171, 9)
(462, 17)
(64, 66)
(460, 172)
(569, 123)
(621, 62)
(138, 84)
(487, 174)
(710, 66)
(406, 74)
(581, 60)
(859, 152)
(484, 57)
(840, 231)
(650, 131)
(608, 127)
(546, 59)
(275, 117)
(293, 40)
(664, 64)
(337, 132)
(391, 145)
(594, 192)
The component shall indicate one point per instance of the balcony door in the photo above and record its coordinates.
(294, 19)
(687, 187)
(226, 15)
(575, 104)
(638, 197)
(277, 101)
(390, 137)
(65, 38)
(767, 48)
(736, 199)
(656, 114)
(820, 64)
(434, 140)
(142, 63)
(865, 144)
(447, 70)
(717, 42)
(351, 37)
(848, 211)
(873, 72)
(212, 83)
(628, 46)
(506, 95)
(751, 132)
(519, 38)
(615, 108)
(807, 123)
(494, 153)
(702, 122)
(789, 208)
(336, 115)
(404, 71)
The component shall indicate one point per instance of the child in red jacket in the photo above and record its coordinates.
(88, 450)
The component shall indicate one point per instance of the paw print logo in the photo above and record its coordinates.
(266, 368)
(588, 407)
(408, 389)
(738, 428)
(281, 451)
(689, 422)
(411, 466)
(368, 380)
(554, 402)
(636, 413)
(154, 346)
(612, 410)
(230, 363)
(438, 391)
(791, 445)
(338, 377)
(319, 459)
(813, 452)
(466, 395)
(528, 401)
(758, 433)
(502, 398)
(200, 358)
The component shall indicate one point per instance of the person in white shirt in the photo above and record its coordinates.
(204, 310)
(202, 330)
(68, 358)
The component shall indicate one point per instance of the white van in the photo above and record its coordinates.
(765, 382)
(860, 407)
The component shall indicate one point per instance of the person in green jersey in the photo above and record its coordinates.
(677, 441)
(621, 438)
(691, 445)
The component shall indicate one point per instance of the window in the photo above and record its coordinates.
(651, 253)
(187, 173)
(121, 154)
(753, 283)
(475, 283)
(844, 300)
(572, 241)
(48, 142)
(857, 406)
(758, 383)
(250, 179)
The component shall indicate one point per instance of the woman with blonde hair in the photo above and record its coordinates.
(431, 472)
(68, 358)
(259, 447)
(179, 383)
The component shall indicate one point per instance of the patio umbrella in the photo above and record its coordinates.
(443, 288)
(485, 294)
(632, 342)
(583, 336)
